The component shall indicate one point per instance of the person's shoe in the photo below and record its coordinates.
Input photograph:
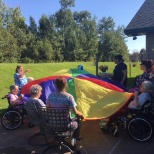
(73, 141)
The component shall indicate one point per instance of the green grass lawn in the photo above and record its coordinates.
(47, 69)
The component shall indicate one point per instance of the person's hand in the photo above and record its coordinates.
(136, 93)
(81, 117)
(21, 97)
(27, 70)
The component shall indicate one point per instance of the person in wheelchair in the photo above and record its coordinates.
(143, 95)
(14, 99)
(61, 99)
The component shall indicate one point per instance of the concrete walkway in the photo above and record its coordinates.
(94, 141)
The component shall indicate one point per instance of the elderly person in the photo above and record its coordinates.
(35, 92)
(61, 99)
(146, 89)
(14, 99)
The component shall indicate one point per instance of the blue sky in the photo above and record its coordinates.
(122, 12)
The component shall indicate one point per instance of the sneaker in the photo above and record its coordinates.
(73, 141)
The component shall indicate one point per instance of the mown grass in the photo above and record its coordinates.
(47, 69)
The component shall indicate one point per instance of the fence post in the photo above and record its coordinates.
(130, 69)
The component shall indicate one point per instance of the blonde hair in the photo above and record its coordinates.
(29, 79)
(35, 90)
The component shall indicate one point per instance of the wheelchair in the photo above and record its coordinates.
(14, 116)
(139, 123)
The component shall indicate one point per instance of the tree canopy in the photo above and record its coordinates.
(62, 36)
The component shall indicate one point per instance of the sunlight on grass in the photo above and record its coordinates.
(47, 69)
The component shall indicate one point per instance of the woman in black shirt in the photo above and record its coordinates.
(120, 70)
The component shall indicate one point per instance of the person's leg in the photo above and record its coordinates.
(76, 131)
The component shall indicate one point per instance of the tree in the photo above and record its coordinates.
(44, 26)
(135, 56)
(86, 35)
(32, 26)
(66, 3)
(111, 41)
(12, 33)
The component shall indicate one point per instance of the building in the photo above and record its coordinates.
(143, 24)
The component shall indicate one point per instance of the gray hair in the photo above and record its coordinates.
(148, 86)
(13, 86)
(35, 89)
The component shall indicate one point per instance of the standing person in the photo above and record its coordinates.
(61, 99)
(20, 76)
(120, 70)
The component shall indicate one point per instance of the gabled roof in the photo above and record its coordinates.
(143, 21)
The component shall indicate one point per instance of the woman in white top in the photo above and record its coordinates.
(146, 89)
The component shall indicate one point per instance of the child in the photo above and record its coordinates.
(13, 97)
(146, 89)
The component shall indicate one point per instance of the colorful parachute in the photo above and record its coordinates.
(95, 98)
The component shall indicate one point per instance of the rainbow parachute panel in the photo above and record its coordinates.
(95, 98)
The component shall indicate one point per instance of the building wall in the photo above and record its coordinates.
(150, 46)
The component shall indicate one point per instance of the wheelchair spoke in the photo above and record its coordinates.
(11, 120)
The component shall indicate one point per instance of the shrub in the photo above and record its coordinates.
(103, 68)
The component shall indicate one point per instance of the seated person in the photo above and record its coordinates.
(20, 76)
(35, 92)
(146, 89)
(145, 66)
(61, 99)
(13, 97)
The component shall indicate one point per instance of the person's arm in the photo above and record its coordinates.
(124, 76)
(77, 112)
(14, 100)
(21, 74)
(73, 107)
(41, 103)
(136, 99)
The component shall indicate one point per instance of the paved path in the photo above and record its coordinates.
(94, 141)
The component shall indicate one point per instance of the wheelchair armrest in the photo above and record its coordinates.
(134, 110)
(147, 105)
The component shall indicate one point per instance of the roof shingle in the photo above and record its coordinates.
(143, 21)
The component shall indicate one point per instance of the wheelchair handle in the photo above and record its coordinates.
(6, 96)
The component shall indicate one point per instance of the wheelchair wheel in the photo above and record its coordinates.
(140, 129)
(11, 120)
